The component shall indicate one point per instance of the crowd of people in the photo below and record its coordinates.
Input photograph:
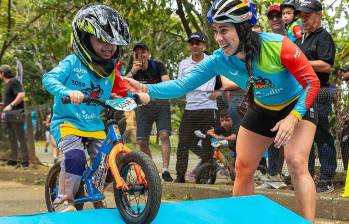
(279, 97)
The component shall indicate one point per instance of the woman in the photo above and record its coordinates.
(283, 85)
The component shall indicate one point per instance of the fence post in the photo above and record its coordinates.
(29, 133)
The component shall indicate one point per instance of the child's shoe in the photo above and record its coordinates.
(65, 206)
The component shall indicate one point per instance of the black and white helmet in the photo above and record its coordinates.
(106, 24)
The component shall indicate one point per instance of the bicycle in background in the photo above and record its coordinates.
(206, 173)
(137, 184)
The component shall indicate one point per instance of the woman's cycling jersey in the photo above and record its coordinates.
(282, 75)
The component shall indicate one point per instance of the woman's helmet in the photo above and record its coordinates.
(232, 11)
(106, 24)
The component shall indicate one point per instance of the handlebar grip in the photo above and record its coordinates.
(66, 99)
(136, 98)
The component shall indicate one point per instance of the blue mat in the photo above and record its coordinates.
(237, 210)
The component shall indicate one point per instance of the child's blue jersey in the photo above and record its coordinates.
(81, 120)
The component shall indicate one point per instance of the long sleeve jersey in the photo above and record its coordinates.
(81, 120)
(294, 31)
(282, 75)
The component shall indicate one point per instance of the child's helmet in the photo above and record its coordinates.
(290, 3)
(232, 11)
(106, 24)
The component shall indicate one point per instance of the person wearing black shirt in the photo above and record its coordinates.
(14, 117)
(317, 44)
(150, 71)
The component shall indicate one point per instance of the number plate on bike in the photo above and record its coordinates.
(124, 104)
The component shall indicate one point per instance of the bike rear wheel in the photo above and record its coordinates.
(141, 202)
(206, 173)
(51, 188)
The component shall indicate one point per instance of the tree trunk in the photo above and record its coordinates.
(29, 134)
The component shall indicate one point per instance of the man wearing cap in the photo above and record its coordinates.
(13, 115)
(200, 111)
(149, 71)
(317, 44)
(275, 19)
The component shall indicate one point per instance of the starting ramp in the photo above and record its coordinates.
(234, 210)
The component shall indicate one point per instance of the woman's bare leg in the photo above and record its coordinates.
(249, 150)
(296, 155)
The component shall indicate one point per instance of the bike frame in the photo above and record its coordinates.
(94, 176)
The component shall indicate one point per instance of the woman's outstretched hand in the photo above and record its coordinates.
(284, 129)
(136, 86)
(144, 97)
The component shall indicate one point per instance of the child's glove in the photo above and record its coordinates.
(199, 134)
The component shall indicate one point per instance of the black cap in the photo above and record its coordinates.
(5, 69)
(309, 6)
(196, 36)
(141, 45)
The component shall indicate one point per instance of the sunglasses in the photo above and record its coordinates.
(271, 17)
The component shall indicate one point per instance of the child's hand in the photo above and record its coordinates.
(76, 97)
(144, 97)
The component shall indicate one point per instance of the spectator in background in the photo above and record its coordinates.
(318, 46)
(275, 19)
(290, 15)
(200, 111)
(49, 138)
(13, 113)
(149, 71)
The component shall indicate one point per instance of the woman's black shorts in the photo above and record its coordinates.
(261, 120)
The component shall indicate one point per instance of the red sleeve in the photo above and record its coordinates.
(120, 87)
(298, 65)
(297, 30)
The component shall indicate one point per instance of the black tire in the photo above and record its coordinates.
(206, 174)
(138, 213)
(51, 184)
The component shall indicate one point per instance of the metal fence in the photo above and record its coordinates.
(338, 125)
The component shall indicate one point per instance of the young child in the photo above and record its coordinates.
(225, 132)
(290, 16)
(98, 34)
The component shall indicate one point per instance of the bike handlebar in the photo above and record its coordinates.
(88, 100)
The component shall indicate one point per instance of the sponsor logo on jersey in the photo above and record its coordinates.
(94, 91)
(262, 83)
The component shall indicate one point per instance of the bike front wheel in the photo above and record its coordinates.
(141, 201)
